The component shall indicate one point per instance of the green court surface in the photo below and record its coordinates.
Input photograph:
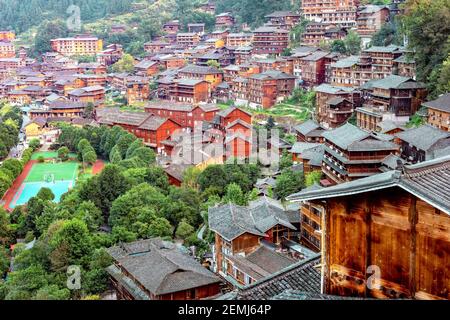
(49, 155)
(53, 172)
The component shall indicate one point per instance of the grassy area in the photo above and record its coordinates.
(298, 113)
(85, 174)
(59, 171)
(49, 155)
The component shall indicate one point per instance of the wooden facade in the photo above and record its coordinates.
(402, 235)
(387, 237)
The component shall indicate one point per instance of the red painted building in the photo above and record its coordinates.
(148, 127)
(187, 115)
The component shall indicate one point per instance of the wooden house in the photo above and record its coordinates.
(388, 235)
(309, 131)
(422, 143)
(148, 127)
(158, 270)
(240, 230)
(439, 112)
(352, 153)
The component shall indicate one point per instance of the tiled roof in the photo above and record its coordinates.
(427, 180)
(231, 221)
(301, 295)
(307, 126)
(327, 88)
(303, 276)
(345, 135)
(199, 69)
(346, 62)
(423, 137)
(390, 48)
(442, 103)
(270, 30)
(161, 267)
(300, 147)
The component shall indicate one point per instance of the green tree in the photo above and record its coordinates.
(45, 194)
(34, 144)
(70, 244)
(338, 46)
(125, 64)
(184, 230)
(352, 43)
(213, 63)
(235, 195)
(313, 178)
(289, 182)
(63, 153)
(425, 23)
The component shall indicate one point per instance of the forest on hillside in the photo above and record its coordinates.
(20, 15)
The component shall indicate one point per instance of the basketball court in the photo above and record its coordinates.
(58, 177)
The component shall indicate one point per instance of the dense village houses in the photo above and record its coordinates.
(423, 143)
(335, 105)
(270, 40)
(333, 12)
(7, 35)
(268, 88)
(185, 114)
(187, 39)
(410, 205)
(393, 98)
(224, 20)
(352, 153)
(439, 112)
(7, 50)
(77, 46)
(241, 39)
(283, 19)
(110, 55)
(309, 131)
(317, 33)
(159, 270)
(93, 94)
(148, 127)
(240, 234)
(370, 19)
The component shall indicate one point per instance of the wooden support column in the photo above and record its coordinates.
(413, 218)
(368, 221)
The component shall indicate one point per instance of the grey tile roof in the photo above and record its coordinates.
(346, 62)
(345, 135)
(390, 48)
(300, 147)
(231, 221)
(161, 267)
(307, 126)
(199, 69)
(423, 137)
(442, 103)
(327, 88)
(303, 276)
(427, 180)
(301, 295)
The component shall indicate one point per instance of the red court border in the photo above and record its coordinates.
(98, 166)
(9, 195)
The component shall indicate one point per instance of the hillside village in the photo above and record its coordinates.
(282, 157)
